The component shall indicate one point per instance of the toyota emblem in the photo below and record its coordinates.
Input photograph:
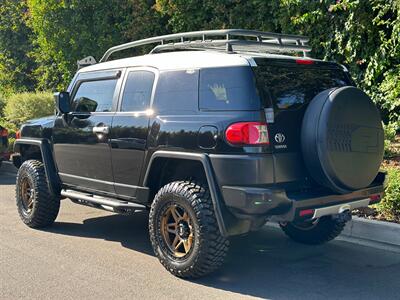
(279, 138)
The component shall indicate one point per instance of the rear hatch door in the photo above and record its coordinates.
(287, 87)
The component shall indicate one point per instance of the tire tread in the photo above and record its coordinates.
(326, 230)
(214, 246)
(46, 205)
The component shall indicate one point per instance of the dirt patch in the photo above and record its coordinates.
(372, 214)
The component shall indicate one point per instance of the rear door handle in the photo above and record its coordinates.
(101, 130)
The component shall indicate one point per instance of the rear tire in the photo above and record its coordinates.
(37, 207)
(184, 232)
(314, 232)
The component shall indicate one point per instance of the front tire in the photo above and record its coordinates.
(37, 207)
(316, 231)
(184, 232)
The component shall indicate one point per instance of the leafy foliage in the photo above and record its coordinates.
(2, 104)
(40, 41)
(390, 138)
(25, 106)
(389, 207)
(15, 44)
(68, 30)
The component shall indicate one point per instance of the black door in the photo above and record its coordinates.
(81, 138)
(129, 130)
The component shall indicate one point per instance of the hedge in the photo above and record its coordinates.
(26, 106)
(389, 207)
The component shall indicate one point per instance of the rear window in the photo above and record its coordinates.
(290, 87)
(230, 88)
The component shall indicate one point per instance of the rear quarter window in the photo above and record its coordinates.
(230, 88)
(291, 87)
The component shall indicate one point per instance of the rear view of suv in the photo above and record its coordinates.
(215, 134)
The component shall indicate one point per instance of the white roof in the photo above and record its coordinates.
(182, 60)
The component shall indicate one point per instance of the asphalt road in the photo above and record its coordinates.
(92, 254)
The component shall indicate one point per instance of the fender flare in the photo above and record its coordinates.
(212, 185)
(45, 147)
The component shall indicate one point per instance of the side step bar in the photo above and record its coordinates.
(114, 205)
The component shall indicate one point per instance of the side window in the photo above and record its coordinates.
(228, 88)
(137, 91)
(94, 96)
(177, 91)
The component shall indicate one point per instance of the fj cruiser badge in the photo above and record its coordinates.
(279, 138)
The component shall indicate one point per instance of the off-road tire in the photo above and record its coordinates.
(327, 228)
(45, 206)
(209, 247)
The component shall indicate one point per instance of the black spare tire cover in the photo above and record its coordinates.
(342, 139)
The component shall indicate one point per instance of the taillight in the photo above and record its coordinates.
(306, 212)
(304, 61)
(18, 135)
(374, 198)
(247, 133)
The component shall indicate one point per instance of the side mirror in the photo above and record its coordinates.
(63, 103)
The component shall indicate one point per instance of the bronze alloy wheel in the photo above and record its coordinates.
(177, 230)
(183, 230)
(37, 206)
(27, 194)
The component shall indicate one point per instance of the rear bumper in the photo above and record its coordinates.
(249, 202)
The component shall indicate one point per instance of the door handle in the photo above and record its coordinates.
(101, 130)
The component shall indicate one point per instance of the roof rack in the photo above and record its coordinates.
(230, 40)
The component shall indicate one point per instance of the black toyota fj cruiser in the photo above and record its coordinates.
(212, 133)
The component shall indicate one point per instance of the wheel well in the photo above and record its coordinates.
(165, 170)
(30, 152)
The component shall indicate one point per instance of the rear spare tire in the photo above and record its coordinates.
(342, 139)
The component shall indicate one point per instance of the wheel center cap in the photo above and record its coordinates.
(183, 230)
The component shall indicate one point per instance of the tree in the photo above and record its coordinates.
(68, 30)
(15, 45)
(363, 35)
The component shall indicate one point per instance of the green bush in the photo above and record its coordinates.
(390, 131)
(390, 137)
(389, 207)
(25, 106)
(2, 104)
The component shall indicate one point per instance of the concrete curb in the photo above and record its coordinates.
(372, 230)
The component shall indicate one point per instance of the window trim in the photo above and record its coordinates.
(99, 76)
(122, 89)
